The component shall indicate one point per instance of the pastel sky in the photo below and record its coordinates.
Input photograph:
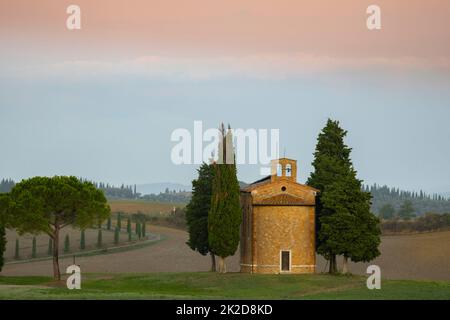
(101, 102)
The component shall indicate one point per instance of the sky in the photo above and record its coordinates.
(103, 101)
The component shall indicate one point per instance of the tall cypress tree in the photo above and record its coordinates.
(345, 225)
(129, 225)
(197, 212)
(331, 157)
(225, 215)
(352, 231)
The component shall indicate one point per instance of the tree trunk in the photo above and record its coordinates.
(333, 264)
(56, 272)
(222, 265)
(345, 265)
(213, 262)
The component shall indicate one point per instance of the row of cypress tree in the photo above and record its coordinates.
(140, 232)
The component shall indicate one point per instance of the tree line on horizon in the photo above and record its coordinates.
(382, 196)
(125, 192)
(396, 200)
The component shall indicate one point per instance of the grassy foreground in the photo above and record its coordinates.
(217, 286)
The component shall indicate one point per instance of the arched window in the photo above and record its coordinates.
(279, 170)
(288, 170)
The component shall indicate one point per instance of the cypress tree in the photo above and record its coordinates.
(143, 232)
(33, 248)
(138, 230)
(352, 231)
(225, 215)
(116, 236)
(99, 238)
(66, 244)
(345, 225)
(17, 251)
(197, 212)
(129, 225)
(83, 240)
(129, 236)
(119, 221)
(108, 224)
(50, 247)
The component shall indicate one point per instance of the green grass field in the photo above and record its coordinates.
(217, 286)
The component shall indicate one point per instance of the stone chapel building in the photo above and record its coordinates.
(278, 227)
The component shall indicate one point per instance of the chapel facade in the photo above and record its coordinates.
(278, 227)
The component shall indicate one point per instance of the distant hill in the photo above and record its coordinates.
(161, 187)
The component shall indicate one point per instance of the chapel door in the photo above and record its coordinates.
(285, 261)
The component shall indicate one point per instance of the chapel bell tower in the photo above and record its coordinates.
(284, 169)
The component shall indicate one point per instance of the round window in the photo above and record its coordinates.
(283, 188)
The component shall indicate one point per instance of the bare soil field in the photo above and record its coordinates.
(418, 256)
(147, 207)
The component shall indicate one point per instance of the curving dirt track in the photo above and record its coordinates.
(421, 256)
(170, 255)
